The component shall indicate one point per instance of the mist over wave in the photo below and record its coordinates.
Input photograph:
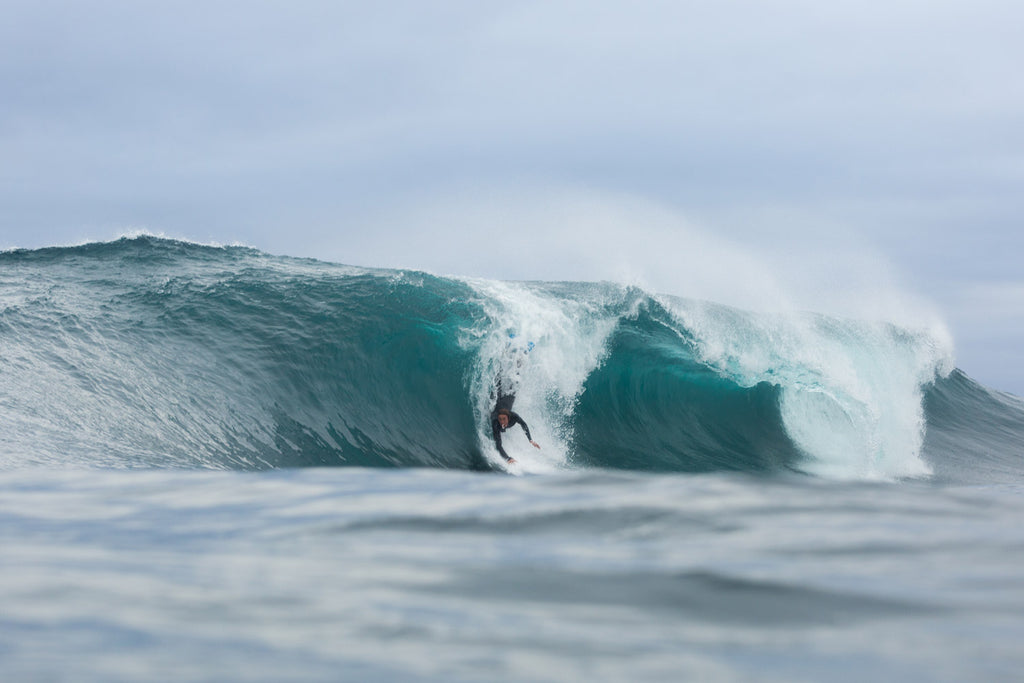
(148, 352)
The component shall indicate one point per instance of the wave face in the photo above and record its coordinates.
(148, 352)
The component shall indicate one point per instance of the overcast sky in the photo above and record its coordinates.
(851, 156)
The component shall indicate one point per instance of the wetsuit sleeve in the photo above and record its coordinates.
(522, 423)
(496, 429)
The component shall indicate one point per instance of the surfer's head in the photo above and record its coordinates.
(503, 416)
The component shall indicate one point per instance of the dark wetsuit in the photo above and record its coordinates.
(513, 418)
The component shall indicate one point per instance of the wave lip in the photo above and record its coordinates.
(850, 392)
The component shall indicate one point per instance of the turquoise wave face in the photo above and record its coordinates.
(652, 406)
(147, 352)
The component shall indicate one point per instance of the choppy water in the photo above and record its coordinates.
(369, 574)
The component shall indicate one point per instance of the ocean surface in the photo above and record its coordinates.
(217, 464)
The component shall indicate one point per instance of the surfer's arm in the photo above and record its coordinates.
(526, 429)
(497, 441)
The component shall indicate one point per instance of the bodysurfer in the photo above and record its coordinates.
(502, 418)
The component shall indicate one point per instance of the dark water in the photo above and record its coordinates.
(217, 464)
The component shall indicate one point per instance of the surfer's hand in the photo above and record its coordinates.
(511, 461)
(535, 444)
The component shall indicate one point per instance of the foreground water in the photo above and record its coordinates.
(399, 575)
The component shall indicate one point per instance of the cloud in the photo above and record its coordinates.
(883, 139)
